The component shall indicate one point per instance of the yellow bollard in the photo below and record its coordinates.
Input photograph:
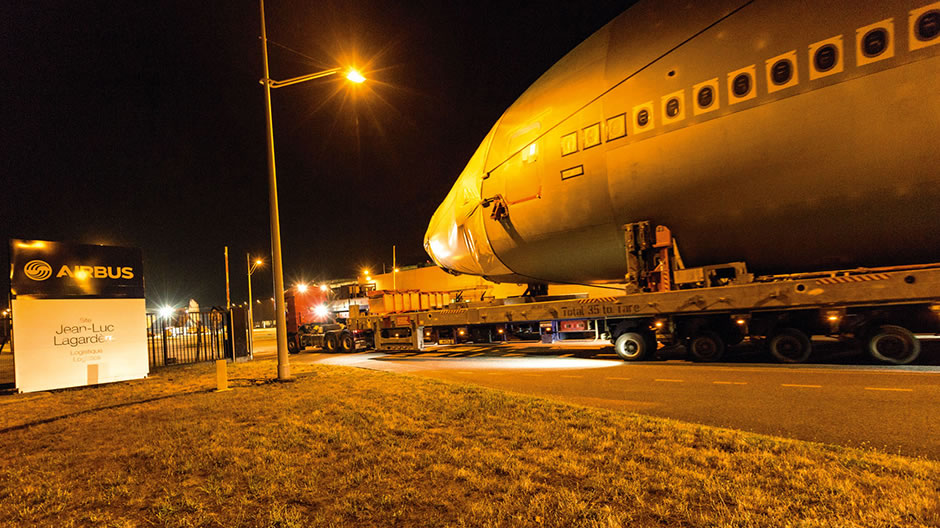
(221, 376)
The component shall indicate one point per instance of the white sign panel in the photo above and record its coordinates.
(74, 342)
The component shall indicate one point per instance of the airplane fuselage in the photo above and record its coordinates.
(789, 135)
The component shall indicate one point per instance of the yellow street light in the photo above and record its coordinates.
(277, 269)
(251, 316)
(355, 76)
(301, 287)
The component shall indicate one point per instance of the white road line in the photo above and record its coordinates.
(730, 382)
(613, 378)
(670, 380)
(798, 385)
(888, 389)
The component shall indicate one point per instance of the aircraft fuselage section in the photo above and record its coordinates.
(789, 135)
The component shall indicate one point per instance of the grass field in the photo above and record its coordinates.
(346, 447)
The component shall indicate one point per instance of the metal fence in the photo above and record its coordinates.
(187, 337)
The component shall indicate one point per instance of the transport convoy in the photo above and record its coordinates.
(773, 138)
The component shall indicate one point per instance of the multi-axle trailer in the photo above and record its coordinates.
(706, 309)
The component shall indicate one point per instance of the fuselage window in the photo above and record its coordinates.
(572, 172)
(928, 25)
(569, 144)
(875, 42)
(741, 86)
(592, 135)
(617, 127)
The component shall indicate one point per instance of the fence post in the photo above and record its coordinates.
(163, 338)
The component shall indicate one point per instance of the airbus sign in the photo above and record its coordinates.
(54, 270)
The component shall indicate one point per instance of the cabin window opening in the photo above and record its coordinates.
(592, 136)
(572, 172)
(617, 127)
(706, 96)
(781, 72)
(569, 143)
(928, 25)
(875, 42)
(826, 58)
(741, 85)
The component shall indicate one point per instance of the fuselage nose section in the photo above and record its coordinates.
(450, 242)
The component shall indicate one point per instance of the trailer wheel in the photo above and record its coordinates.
(632, 346)
(330, 343)
(346, 343)
(706, 346)
(292, 346)
(790, 345)
(893, 344)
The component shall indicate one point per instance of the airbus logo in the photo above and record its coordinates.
(37, 270)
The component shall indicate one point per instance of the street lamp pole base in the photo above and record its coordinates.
(283, 372)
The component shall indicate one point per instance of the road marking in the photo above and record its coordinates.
(730, 382)
(566, 355)
(567, 376)
(621, 379)
(477, 354)
(888, 389)
(797, 385)
(670, 380)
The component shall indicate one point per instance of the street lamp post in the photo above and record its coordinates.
(283, 365)
(252, 266)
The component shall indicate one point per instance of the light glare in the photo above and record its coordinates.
(354, 76)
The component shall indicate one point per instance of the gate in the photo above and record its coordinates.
(187, 337)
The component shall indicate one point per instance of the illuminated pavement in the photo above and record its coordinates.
(888, 408)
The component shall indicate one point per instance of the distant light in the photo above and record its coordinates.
(321, 310)
(397, 270)
(833, 317)
(302, 288)
(365, 272)
(659, 324)
(166, 312)
(324, 287)
(461, 332)
(499, 331)
(740, 321)
(355, 76)
(258, 301)
(258, 262)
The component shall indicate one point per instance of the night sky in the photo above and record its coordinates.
(142, 124)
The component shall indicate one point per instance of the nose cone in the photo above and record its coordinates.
(448, 240)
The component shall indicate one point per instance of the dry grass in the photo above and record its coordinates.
(344, 447)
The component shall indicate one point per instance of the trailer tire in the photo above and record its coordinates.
(632, 346)
(706, 346)
(893, 344)
(292, 346)
(790, 345)
(330, 343)
(346, 343)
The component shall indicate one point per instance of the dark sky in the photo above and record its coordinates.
(142, 124)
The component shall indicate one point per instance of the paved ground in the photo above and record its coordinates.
(840, 402)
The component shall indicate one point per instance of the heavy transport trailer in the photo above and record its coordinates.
(707, 309)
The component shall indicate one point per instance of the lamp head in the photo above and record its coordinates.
(354, 76)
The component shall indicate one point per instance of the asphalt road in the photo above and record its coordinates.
(888, 408)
